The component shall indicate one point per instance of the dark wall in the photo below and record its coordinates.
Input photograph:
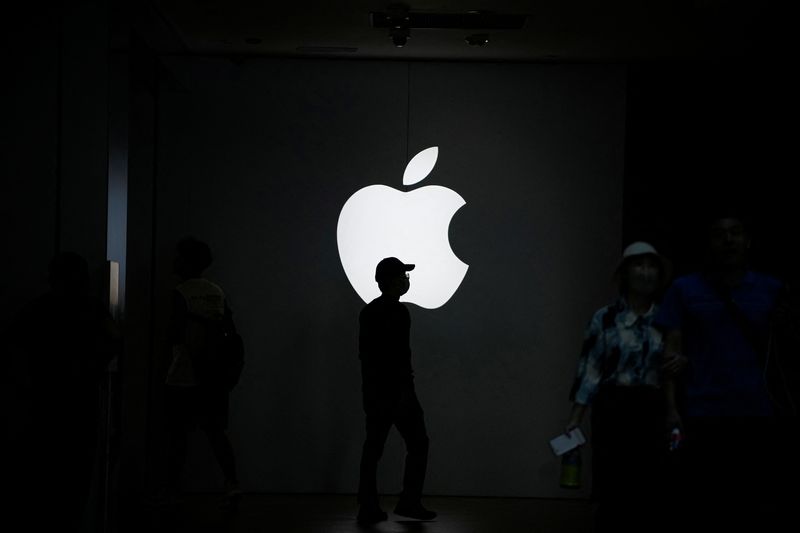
(258, 157)
(701, 135)
(54, 147)
(29, 198)
(53, 172)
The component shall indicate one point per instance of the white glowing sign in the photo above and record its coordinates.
(378, 221)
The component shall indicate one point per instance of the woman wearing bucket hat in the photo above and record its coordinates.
(619, 376)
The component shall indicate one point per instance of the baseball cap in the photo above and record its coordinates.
(391, 267)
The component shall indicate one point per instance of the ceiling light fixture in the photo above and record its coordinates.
(398, 21)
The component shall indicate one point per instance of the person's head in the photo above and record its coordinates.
(728, 241)
(68, 272)
(642, 270)
(192, 258)
(392, 277)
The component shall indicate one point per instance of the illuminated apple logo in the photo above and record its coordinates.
(378, 221)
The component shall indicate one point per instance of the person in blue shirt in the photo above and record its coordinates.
(717, 324)
(620, 374)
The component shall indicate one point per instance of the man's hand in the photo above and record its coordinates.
(673, 364)
(673, 420)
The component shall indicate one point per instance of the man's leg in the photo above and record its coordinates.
(410, 422)
(178, 402)
(223, 452)
(378, 423)
(215, 424)
(711, 455)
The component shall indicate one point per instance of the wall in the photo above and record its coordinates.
(258, 156)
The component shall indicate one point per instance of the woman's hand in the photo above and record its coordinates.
(575, 417)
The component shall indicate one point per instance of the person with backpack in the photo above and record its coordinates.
(207, 359)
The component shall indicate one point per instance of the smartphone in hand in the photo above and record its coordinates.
(566, 442)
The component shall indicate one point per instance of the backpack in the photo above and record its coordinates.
(219, 364)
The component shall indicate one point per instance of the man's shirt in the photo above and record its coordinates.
(384, 347)
(724, 376)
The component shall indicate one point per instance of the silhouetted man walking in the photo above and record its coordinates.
(389, 397)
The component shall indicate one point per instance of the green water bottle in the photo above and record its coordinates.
(571, 469)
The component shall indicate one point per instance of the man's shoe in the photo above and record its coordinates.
(414, 510)
(231, 502)
(371, 515)
(166, 497)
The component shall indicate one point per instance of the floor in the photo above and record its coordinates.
(336, 514)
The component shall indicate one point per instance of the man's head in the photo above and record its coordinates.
(728, 241)
(391, 275)
(192, 258)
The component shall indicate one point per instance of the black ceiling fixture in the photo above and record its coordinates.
(399, 19)
(473, 20)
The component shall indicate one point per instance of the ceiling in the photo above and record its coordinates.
(554, 30)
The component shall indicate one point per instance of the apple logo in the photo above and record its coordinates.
(379, 221)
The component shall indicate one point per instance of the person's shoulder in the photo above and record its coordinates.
(764, 279)
(382, 306)
(373, 304)
(370, 307)
(607, 312)
(691, 279)
(685, 285)
(610, 308)
(200, 282)
(405, 310)
(199, 285)
(765, 282)
(214, 286)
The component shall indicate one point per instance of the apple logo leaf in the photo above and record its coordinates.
(420, 166)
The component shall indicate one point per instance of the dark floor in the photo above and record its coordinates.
(336, 514)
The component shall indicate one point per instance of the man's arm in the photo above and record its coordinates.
(674, 360)
(674, 363)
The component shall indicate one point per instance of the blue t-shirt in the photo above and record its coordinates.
(725, 373)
